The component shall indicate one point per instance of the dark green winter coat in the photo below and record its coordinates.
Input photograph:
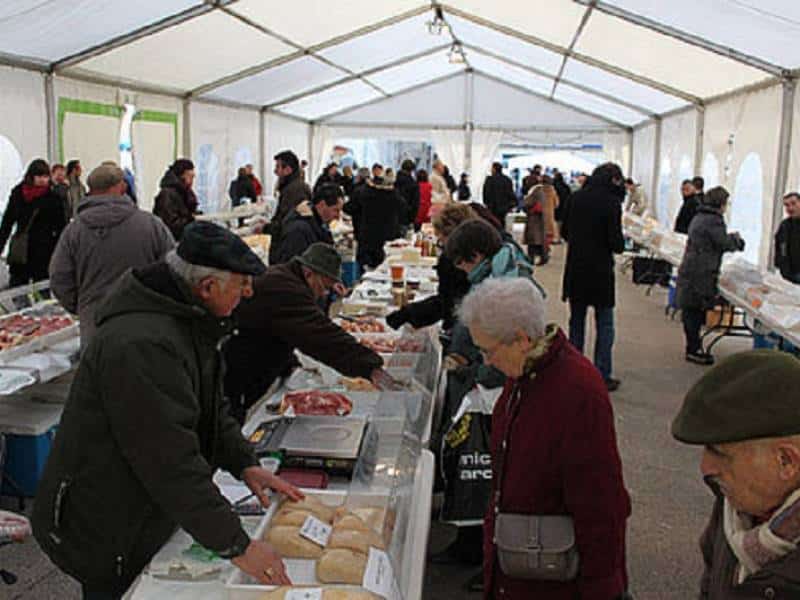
(142, 432)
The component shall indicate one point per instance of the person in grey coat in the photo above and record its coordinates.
(699, 270)
(108, 237)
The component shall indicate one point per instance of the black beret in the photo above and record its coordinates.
(208, 245)
(748, 396)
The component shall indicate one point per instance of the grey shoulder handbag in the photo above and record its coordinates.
(536, 546)
(531, 546)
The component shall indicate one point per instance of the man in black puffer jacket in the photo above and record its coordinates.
(308, 224)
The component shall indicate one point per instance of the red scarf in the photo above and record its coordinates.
(33, 192)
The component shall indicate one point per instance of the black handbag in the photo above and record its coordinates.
(18, 248)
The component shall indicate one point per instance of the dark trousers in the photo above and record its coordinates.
(604, 322)
(98, 595)
(693, 319)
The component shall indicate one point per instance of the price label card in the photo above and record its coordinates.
(379, 575)
(315, 530)
(304, 594)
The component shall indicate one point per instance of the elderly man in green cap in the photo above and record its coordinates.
(746, 414)
(285, 316)
(145, 426)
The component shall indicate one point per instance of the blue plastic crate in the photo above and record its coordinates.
(350, 273)
(26, 456)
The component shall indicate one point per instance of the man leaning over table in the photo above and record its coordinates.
(145, 426)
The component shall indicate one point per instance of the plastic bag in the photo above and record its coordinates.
(466, 460)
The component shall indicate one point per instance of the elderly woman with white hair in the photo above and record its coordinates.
(555, 526)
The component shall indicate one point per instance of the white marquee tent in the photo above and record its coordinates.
(670, 89)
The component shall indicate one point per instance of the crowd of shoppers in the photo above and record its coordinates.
(119, 269)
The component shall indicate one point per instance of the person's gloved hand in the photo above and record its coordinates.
(397, 319)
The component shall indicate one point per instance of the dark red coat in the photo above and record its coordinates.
(561, 459)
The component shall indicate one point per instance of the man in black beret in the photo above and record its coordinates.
(746, 414)
(145, 425)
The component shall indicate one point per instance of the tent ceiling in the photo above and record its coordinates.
(767, 29)
(51, 31)
(662, 58)
(621, 59)
(286, 80)
(174, 58)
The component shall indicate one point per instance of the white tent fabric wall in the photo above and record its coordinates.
(223, 139)
(485, 146)
(678, 135)
(644, 147)
(23, 126)
(449, 146)
(321, 149)
(735, 129)
(283, 134)
(616, 149)
(93, 138)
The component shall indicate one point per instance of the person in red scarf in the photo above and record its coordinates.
(35, 213)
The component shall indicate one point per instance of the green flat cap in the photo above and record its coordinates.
(208, 245)
(322, 258)
(750, 395)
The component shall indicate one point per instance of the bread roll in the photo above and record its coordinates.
(289, 516)
(351, 539)
(310, 504)
(288, 542)
(342, 566)
(350, 521)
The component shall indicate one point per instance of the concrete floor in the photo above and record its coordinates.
(670, 503)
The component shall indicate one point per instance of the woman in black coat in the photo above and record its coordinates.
(593, 230)
(34, 210)
(696, 289)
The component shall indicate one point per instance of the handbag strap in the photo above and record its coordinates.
(29, 224)
(512, 410)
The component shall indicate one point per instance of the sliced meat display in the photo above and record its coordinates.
(316, 402)
(389, 345)
(364, 325)
(23, 327)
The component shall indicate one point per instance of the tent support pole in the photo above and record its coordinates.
(698, 142)
(630, 155)
(50, 109)
(469, 118)
(187, 128)
(262, 144)
(656, 166)
(784, 153)
(310, 152)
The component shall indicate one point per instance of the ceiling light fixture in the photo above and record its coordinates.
(437, 25)
(456, 54)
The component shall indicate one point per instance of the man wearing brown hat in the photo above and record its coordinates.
(145, 426)
(746, 414)
(284, 315)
